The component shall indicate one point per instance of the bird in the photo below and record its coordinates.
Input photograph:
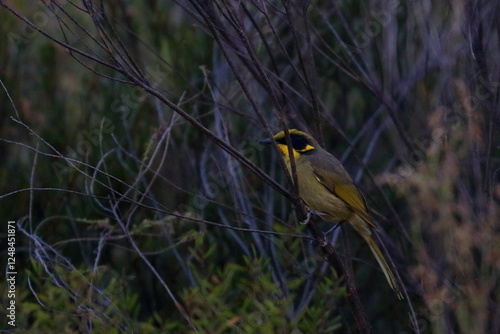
(328, 191)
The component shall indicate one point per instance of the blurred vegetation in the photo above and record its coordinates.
(131, 219)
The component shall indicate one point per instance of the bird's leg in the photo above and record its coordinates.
(335, 226)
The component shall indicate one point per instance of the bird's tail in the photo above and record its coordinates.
(363, 229)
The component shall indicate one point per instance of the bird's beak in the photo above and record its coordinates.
(265, 141)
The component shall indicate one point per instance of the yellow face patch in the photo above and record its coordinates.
(305, 149)
(296, 153)
(284, 151)
(300, 142)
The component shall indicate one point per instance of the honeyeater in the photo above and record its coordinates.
(328, 190)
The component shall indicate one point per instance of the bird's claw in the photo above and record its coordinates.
(325, 242)
(310, 212)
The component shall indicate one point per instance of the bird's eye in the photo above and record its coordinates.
(299, 142)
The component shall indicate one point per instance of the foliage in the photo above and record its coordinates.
(78, 301)
(450, 218)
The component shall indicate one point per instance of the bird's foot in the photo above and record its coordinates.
(310, 213)
(325, 242)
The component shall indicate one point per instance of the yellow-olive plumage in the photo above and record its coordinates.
(326, 187)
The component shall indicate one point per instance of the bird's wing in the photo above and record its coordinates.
(342, 186)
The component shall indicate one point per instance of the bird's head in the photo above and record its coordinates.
(301, 143)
